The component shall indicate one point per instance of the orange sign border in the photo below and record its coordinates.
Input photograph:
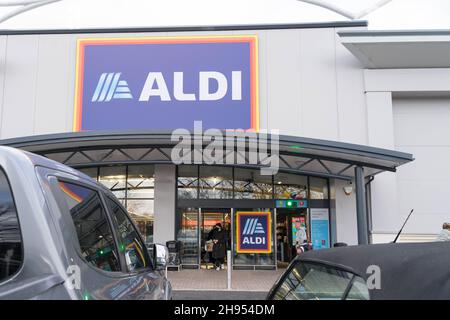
(254, 66)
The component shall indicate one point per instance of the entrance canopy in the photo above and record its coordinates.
(296, 155)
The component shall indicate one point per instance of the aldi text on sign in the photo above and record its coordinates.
(167, 83)
(253, 232)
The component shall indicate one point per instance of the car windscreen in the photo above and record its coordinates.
(311, 281)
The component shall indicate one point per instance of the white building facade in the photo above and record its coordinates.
(328, 81)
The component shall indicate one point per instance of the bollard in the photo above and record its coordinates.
(228, 269)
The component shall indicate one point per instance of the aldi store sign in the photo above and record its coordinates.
(253, 232)
(166, 83)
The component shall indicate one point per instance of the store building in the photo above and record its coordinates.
(348, 103)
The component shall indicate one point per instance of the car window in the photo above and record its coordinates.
(308, 281)
(11, 254)
(359, 290)
(136, 256)
(92, 227)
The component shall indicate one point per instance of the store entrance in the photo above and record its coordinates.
(209, 219)
(292, 227)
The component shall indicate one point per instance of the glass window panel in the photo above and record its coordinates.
(290, 186)
(114, 178)
(141, 181)
(142, 213)
(318, 188)
(188, 235)
(187, 182)
(216, 182)
(250, 184)
(308, 281)
(92, 227)
(11, 255)
(135, 252)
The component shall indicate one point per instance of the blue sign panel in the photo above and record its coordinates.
(320, 229)
(253, 232)
(167, 83)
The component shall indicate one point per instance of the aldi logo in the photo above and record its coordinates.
(110, 87)
(253, 232)
(253, 226)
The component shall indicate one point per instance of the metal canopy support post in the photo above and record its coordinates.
(361, 209)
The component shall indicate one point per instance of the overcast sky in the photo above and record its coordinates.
(398, 14)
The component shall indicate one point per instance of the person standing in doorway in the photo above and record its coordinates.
(445, 233)
(219, 238)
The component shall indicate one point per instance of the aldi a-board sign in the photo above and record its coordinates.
(253, 232)
(167, 83)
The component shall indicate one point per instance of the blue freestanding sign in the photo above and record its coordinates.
(320, 229)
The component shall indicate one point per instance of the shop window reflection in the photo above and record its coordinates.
(140, 198)
(318, 188)
(187, 182)
(250, 184)
(290, 186)
(114, 178)
(134, 187)
(216, 183)
(142, 213)
(141, 182)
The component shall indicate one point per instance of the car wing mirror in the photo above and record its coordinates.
(160, 256)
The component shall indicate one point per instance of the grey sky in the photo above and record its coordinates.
(398, 14)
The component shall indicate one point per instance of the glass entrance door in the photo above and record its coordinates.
(292, 228)
(209, 218)
(188, 234)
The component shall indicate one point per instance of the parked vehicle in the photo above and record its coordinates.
(65, 236)
(377, 272)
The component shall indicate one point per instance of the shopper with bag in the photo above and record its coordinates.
(219, 237)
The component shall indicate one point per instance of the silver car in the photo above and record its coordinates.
(65, 236)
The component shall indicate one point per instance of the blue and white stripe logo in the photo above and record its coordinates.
(110, 87)
(252, 226)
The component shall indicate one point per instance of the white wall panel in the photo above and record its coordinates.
(54, 84)
(380, 133)
(19, 96)
(346, 224)
(319, 113)
(407, 80)
(422, 128)
(350, 96)
(283, 80)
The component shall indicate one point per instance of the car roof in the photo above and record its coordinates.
(407, 270)
(37, 160)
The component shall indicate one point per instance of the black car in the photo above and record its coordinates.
(390, 271)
